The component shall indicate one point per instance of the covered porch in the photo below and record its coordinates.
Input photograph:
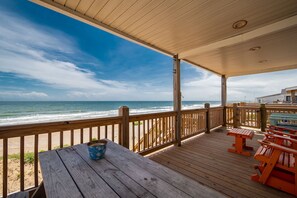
(223, 37)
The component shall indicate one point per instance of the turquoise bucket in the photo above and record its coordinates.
(97, 149)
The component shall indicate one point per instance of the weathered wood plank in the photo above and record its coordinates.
(178, 181)
(225, 180)
(56, 179)
(123, 185)
(19, 195)
(151, 182)
(89, 183)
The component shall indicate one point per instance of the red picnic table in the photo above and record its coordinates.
(240, 141)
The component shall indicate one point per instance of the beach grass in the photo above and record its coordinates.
(28, 157)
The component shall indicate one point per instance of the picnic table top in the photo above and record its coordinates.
(241, 132)
(69, 172)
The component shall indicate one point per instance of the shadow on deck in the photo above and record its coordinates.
(206, 160)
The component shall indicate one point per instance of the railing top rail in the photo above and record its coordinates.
(151, 115)
(248, 107)
(216, 108)
(194, 110)
(31, 129)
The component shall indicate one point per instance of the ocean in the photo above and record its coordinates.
(25, 112)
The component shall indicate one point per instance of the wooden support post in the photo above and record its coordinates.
(124, 135)
(224, 97)
(293, 98)
(235, 115)
(263, 117)
(177, 98)
(207, 117)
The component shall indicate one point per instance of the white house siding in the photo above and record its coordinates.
(271, 99)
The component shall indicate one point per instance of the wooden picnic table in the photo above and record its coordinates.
(69, 172)
(240, 141)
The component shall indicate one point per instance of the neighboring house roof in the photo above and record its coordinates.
(283, 91)
(289, 89)
(269, 96)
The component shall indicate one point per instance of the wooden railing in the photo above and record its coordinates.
(193, 122)
(256, 116)
(216, 117)
(229, 115)
(151, 131)
(144, 134)
(249, 116)
(21, 144)
(277, 109)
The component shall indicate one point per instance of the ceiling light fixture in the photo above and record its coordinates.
(239, 24)
(263, 61)
(255, 48)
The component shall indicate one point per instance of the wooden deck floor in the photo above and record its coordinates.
(206, 160)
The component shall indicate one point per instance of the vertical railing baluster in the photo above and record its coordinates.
(72, 137)
(49, 141)
(36, 160)
(61, 139)
(90, 134)
(138, 135)
(160, 130)
(152, 128)
(106, 131)
(5, 166)
(120, 134)
(156, 132)
(22, 164)
(98, 132)
(164, 129)
(144, 136)
(148, 133)
(81, 135)
(170, 128)
(133, 136)
(112, 132)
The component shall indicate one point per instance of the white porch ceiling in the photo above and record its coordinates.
(199, 31)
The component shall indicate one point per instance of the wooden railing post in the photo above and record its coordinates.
(224, 116)
(207, 117)
(124, 136)
(224, 97)
(177, 99)
(235, 115)
(263, 117)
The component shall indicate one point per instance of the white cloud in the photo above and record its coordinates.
(27, 49)
(23, 95)
(243, 88)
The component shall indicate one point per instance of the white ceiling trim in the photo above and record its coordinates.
(271, 69)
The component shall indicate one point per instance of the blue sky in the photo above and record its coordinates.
(47, 56)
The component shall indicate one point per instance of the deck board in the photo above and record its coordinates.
(206, 160)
